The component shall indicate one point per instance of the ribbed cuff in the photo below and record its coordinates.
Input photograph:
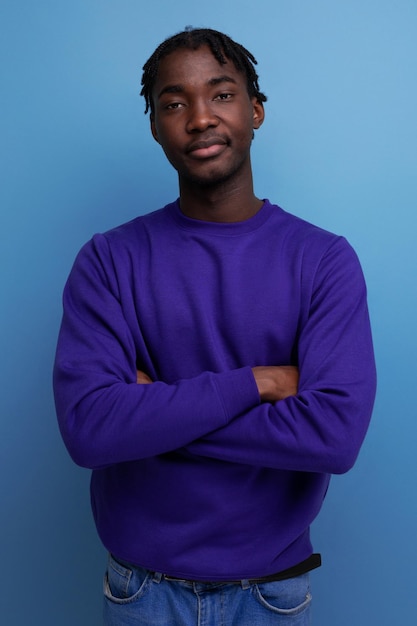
(238, 391)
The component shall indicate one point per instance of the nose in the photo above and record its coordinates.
(201, 116)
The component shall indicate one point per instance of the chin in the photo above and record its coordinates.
(208, 181)
(211, 178)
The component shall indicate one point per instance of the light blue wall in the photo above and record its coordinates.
(338, 147)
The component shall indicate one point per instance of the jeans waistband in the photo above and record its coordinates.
(312, 562)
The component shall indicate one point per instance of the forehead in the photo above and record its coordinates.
(186, 66)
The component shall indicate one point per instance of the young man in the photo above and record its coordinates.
(214, 367)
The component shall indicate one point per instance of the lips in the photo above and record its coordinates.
(209, 147)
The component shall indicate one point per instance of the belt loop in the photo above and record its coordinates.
(156, 577)
(245, 583)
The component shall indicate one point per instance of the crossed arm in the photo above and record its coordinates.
(274, 383)
(311, 419)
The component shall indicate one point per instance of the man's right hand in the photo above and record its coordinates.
(276, 382)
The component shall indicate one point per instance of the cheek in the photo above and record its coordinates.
(167, 137)
(244, 134)
(170, 147)
(244, 128)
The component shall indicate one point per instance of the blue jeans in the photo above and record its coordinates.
(135, 596)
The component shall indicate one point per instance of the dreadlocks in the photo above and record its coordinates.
(222, 47)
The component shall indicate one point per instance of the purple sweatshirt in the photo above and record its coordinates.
(193, 475)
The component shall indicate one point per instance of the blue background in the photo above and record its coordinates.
(338, 147)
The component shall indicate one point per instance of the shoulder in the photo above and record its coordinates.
(105, 251)
(139, 226)
(312, 248)
(298, 226)
(304, 236)
(129, 234)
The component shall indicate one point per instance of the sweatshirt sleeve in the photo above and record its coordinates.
(321, 429)
(105, 417)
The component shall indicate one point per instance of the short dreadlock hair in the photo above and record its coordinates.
(222, 47)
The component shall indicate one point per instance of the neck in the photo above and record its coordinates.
(220, 202)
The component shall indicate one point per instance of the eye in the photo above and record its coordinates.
(174, 105)
(224, 96)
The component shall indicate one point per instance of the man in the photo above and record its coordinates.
(214, 367)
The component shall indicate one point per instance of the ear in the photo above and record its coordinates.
(258, 113)
(153, 128)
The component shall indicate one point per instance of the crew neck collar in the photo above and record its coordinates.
(221, 228)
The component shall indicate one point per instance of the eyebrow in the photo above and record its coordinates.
(217, 80)
(222, 79)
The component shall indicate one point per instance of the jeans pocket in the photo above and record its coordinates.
(287, 597)
(124, 583)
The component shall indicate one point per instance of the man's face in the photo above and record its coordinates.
(204, 117)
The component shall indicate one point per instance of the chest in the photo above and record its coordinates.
(217, 305)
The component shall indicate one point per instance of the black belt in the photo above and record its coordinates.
(305, 566)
